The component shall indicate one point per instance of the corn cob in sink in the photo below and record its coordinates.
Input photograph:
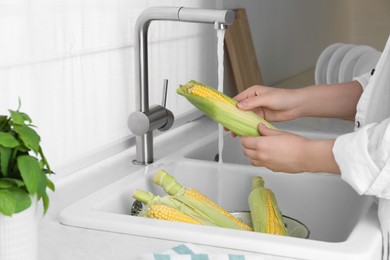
(188, 205)
(188, 201)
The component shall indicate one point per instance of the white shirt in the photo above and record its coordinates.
(364, 155)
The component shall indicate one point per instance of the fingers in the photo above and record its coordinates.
(254, 143)
(249, 92)
(252, 154)
(253, 150)
(253, 102)
(257, 148)
(265, 131)
(249, 142)
(231, 133)
(251, 98)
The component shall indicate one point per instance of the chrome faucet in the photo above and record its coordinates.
(145, 119)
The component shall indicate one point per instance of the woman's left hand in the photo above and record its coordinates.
(287, 152)
(276, 150)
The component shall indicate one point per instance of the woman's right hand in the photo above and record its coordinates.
(272, 104)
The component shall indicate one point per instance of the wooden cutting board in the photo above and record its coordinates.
(241, 53)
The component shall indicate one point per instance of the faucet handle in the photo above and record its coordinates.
(169, 115)
(165, 91)
(157, 117)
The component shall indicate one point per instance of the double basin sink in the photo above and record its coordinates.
(342, 224)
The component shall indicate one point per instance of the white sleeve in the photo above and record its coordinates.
(364, 159)
(363, 79)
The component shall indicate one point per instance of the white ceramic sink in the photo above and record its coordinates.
(232, 150)
(343, 225)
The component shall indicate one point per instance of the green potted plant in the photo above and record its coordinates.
(23, 182)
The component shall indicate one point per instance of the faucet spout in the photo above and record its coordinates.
(206, 15)
(220, 19)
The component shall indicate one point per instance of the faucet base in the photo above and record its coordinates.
(136, 162)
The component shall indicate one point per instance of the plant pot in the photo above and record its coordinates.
(19, 234)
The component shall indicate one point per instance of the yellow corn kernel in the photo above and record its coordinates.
(201, 91)
(201, 197)
(273, 225)
(167, 213)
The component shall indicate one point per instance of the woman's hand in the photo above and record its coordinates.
(277, 104)
(287, 152)
(272, 104)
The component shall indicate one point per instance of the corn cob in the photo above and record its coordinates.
(198, 201)
(222, 109)
(167, 208)
(167, 213)
(265, 213)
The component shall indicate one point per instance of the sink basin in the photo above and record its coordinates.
(339, 220)
(232, 149)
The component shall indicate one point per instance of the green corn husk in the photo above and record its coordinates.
(265, 213)
(240, 122)
(198, 202)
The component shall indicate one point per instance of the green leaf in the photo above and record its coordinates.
(20, 117)
(5, 157)
(30, 171)
(5, 184)
(3, 119)
(7, 203)
(23, 199)
(50, 185)
(3, 123)
(29, 137)
(8, 140)
(45, 200)
(10, 182)
(25, 117)
(42, 192)
(17, 117)
(44, 160)
(42, 185)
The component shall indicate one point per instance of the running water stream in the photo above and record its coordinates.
(220, 53)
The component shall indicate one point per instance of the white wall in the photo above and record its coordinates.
(72, 64)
